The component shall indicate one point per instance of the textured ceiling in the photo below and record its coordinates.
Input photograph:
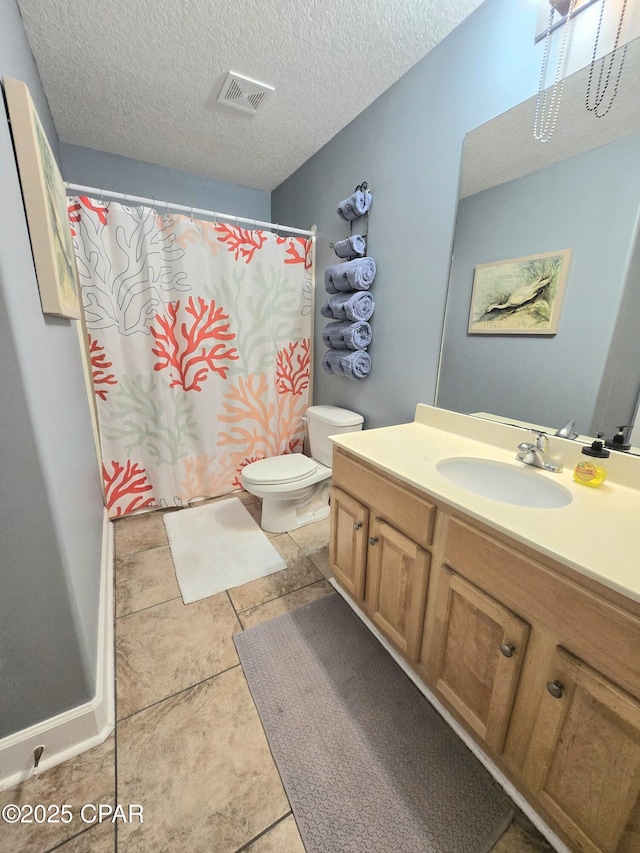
(140, 78)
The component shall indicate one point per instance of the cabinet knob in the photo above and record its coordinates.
(507, 649)
(555, 688)
(373, 540)
(357, 525)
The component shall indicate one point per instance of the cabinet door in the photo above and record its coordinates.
(583, 761)
(479, 661)
(397, 578)
(348, 542)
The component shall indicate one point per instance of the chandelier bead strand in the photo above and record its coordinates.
(546, 114)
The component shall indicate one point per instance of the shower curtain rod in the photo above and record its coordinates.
(102, 194)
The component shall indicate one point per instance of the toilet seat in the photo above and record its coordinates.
(288, 468)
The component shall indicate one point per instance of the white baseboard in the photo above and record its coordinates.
(495, 771)
(67, 735)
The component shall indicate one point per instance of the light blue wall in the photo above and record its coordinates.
(407, 145)
(122, 174)
(50, 497)
(589, 204)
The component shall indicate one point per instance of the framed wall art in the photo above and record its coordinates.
(45, 204)
(519, 296)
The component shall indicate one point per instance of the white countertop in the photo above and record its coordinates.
(597, 534)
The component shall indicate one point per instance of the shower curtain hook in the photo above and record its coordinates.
(191, 214)
(166, 209)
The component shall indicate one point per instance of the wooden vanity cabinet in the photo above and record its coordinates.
(378, 550)
(540, 663)
(564, 722)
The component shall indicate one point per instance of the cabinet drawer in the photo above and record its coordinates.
(407, 511)
(544, 597)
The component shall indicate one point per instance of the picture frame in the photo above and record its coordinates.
(519, 296)
(45, 203)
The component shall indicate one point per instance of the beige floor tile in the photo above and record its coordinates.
(313, 540)
(287, 602)
(255, 509)
(300, 572)
(522, 837)
(283, 838)
(87, 778)
(145, 578)
(162, 650)
(311, 537)
(200, 765)
(99, 839)
(320, 559)
(247, 497)
(138, 532)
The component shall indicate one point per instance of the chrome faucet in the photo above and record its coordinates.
(567, 431)
(536, 454)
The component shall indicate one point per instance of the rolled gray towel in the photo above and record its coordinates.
(341, 335)
(354, 246)
(356, 205)
(349, 306)
(353, 365)
(357, 274)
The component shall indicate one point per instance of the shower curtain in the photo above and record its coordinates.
(199, 342)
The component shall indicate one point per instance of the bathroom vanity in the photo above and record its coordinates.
(522, 622)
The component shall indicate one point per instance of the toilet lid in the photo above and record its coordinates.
(280, 469)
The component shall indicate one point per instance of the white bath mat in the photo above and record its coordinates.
(216, 547)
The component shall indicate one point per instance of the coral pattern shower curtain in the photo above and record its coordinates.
(199, 339)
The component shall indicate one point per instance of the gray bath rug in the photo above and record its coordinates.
(367, 764)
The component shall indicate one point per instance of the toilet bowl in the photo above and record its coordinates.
(295, 488)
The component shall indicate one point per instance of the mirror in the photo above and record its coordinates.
(520, 198)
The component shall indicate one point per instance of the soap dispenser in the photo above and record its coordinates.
(620, 440)
(589, 472)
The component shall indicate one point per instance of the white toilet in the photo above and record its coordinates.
(295, 488)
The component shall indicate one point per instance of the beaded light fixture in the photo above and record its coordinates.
(602, 86)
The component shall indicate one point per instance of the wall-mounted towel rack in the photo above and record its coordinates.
(349, 305)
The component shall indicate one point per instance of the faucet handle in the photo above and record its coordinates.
(567, 431)
(542, 442)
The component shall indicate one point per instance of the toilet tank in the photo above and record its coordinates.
(324, 421)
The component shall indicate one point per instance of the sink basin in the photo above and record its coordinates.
(501, 481)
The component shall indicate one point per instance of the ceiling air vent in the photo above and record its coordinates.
(243, 93)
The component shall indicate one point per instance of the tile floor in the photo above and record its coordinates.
(188, 744)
